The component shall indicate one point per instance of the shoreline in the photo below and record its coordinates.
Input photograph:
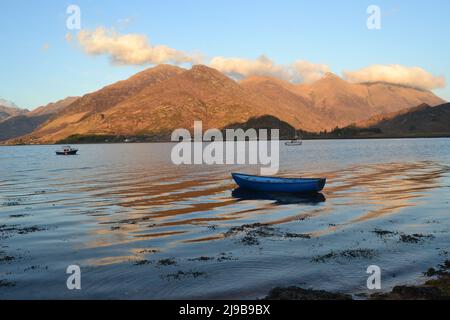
(437, 287)
(282, 140)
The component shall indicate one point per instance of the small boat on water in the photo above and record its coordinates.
(297, 141)
(293, 143)
(67, 151)
(273, 184)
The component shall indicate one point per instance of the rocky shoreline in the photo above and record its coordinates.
(436, 288)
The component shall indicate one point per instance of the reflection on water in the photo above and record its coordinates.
(385, 189)
(278, 198)
(133, 221)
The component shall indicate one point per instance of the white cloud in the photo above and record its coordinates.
(396, 74)
(136, 49)
(7, 103)
(299, 71)
(308, 72)
(242, 68)
(131, 49)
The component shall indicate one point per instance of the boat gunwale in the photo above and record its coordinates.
(276, 180)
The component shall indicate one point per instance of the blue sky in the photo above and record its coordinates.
(38, 65)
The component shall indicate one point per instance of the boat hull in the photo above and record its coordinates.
(286, 185)
(66, 153)
(292, 144)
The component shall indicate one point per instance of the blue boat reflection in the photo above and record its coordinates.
(279, 198)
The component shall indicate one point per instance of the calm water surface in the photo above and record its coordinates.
(141, 227)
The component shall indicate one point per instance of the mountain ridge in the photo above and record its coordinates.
(161, 99)
(26, 122)
(422, 119)
(9, 109)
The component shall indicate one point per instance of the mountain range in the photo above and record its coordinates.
(161, 99)
(416, 121)
(21, 121)
(9, 109)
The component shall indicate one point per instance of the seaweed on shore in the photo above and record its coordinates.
(35, 267)
(5, 283)
(149, 251)
(256, 229)
(5, 258)
(296, 293)
(384, 233)
(162, 262)
(220, 258)
(184, 274)
(252, 233)
(225, 257)
(403, 237)
(19, 215)
(346, 254)
(437, 288)
(203, 258)
(414, 238)
(142, 262)
(7, 231)
(433, 289)
(167, 262)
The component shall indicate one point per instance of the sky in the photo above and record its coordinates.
(42, 60)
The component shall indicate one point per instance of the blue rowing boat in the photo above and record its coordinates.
(273, 184)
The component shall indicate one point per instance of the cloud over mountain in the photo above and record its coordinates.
(7, 103)
(299, 71)
(242, 68)
(308, 72)
(396, 74)
(134, 49)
